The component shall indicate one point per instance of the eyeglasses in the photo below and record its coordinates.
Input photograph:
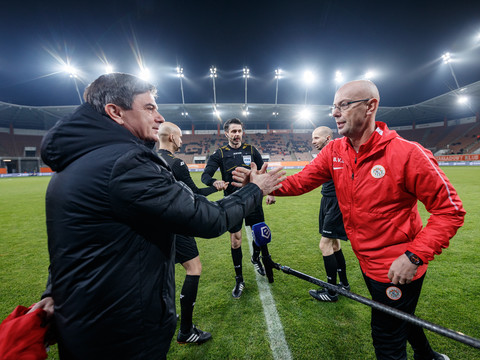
(345, 105)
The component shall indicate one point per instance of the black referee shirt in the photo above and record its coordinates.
(227, 159)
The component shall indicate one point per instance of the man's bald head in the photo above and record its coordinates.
(170, 136)
(322, 131)
(359, 89)
(167, 128)
(321, 136)
(355, 107)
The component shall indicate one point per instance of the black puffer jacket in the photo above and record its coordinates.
(112, 209)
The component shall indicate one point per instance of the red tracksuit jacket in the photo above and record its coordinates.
(377, 190)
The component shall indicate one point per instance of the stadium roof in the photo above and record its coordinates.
(202, 117)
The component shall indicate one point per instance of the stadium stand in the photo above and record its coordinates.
(439, 124)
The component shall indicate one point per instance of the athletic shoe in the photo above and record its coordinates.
(438, 356)
(340, 284)
(195, 336)
(258, 265)
(323, 295)
(238, 289)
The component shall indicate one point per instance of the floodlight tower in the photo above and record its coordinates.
(308, 78)
(180, 76)
(447, 59)
(278, 75)
(69, 69)
(213, 75)
(338, 78)
(246, 75)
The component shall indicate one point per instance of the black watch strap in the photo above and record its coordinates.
(414, 259)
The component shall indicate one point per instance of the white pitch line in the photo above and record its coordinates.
(278, 344)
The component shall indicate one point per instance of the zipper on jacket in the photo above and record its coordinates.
(355, 164)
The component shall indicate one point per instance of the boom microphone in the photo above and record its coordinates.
(452, 334)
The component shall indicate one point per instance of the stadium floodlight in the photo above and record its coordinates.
(275, 113)
(369, 75)
(73, 73)
(305, 114)
(144, 74)
(338, 77)
(245, 112)
(308, 79)
(179, 71)
(447, 59)
(180, 76)
(108, 69)
(213, 75)
(278, 73)
(462, 99)
(70, 70)
(184, 113)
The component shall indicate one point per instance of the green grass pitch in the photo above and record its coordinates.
(313, 330)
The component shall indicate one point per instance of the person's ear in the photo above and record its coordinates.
(171, 139)
(115, 112)
(372, 106)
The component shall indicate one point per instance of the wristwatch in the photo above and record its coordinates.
(414, 259)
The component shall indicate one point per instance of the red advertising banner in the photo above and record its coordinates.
(466, 157)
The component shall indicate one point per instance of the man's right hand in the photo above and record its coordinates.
(267, 182)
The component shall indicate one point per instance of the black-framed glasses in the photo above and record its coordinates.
(345, 105)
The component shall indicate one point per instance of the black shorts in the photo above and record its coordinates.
(185, 248)
(330, 219)
(253, 218)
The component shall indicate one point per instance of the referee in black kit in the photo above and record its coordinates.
(331, 228)
(186, 251)
(227, 158)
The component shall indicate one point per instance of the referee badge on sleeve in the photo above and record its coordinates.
(247, 159)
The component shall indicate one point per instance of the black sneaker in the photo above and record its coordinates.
(340, 284)
(195, 336)
(238, 289)
(258, 265)
(323, 295)
(438, 356)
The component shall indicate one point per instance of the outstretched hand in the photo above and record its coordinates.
(267, 182)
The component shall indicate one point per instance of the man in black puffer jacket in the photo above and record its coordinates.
(112, 210)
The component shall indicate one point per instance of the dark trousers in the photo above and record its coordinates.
(390, 334)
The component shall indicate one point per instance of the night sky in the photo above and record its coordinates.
(402, 41)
